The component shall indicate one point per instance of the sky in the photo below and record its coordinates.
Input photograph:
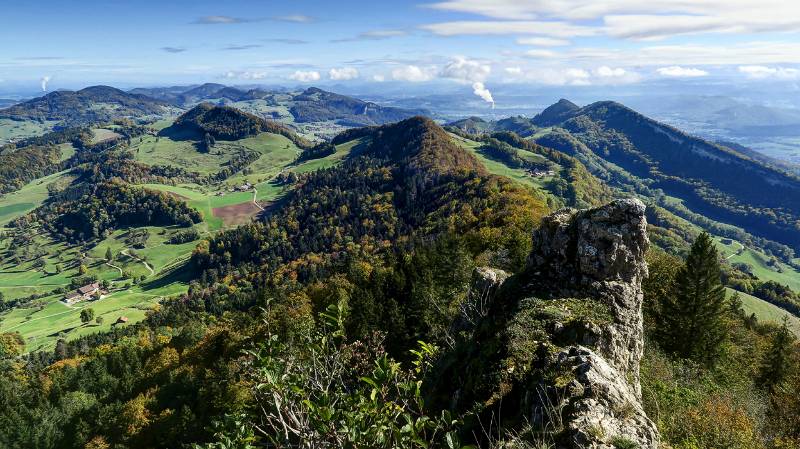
(478, 45)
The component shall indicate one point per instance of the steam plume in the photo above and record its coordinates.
(480, 90)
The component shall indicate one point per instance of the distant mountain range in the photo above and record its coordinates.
(735, 117)
(310, 105)
(100, 104)
(6, 102)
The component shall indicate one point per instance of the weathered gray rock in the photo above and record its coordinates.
(605, 407)
(600, 253)
(557, 347)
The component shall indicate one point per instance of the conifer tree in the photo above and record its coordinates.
(691, 322)
(777, 360)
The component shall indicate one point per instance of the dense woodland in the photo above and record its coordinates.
(19, 167)
(92, 211)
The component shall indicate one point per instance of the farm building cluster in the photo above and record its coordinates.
(88, 292)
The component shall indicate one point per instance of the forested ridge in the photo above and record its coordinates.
(713, 180)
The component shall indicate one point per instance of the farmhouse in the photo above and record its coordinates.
(84, 293)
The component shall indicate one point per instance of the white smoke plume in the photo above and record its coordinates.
(480, 90)
(45, 80)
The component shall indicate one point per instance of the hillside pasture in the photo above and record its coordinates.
(761, 265)
(29, 197)
(21, 129)
(766, 312)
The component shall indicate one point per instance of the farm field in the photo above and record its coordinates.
(103, 134)
(137, 279)
(49, 319)
(30, 196)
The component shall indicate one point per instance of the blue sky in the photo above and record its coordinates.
(476, 43)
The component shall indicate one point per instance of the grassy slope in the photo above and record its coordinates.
(13, 129)
(767, 312)
(29, 197)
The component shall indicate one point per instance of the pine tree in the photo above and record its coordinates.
(109, 255)
(691, 322)
(776, 363)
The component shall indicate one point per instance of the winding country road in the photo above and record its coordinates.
(126, 252)
(741, 248)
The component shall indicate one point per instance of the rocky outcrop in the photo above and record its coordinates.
(558, 350)
(599, 253)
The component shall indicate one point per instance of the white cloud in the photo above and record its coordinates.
(762, 72)
(343, 74)
(607, 72)
(381, 34)
(577, 76)
(245, 75)
(537, 53)
(543, 41)
(412, 73)
(633, 19)
(677, 71)
(572, 76)
(305, 76)
(766, 53)
(378, 78)
(45, 80)
(296, 18)
(465, 70)
(556, 29)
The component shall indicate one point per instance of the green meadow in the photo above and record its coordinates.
(15, 129)
(29, 197)
(759, 263)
